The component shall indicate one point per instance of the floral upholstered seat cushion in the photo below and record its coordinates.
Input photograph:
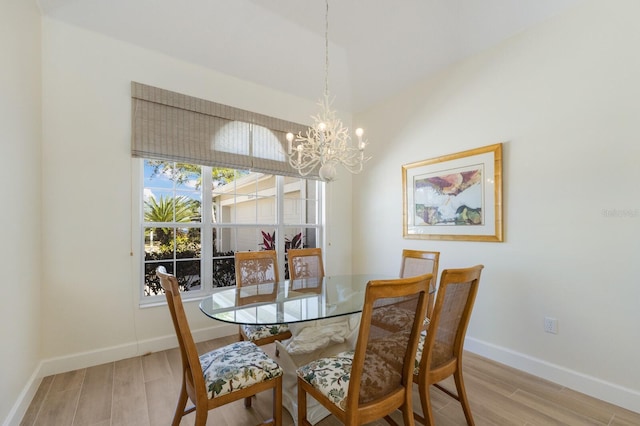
(391, 348)
(255, 332)
(236, 366)
(440, 353)
(331, 377)
(416, 368)
(394, 317)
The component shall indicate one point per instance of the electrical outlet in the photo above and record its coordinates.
(551, 325)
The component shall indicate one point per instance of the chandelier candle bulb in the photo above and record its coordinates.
(289, 141)
(361, 144)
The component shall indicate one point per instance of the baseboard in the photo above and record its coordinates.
(76, 361)
(589, 385)
(24, 399)
(114, 353)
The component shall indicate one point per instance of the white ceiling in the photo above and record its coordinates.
(377, 47)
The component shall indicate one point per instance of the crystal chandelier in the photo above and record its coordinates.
(327, 142)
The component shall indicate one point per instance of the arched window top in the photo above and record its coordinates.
(175, 127)
(249, 139)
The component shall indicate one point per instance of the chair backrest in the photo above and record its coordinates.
(383, 360)
(188, 351)
(418, 262)
(306, 270)
(256, 267)
(448, 326)
(305, 263)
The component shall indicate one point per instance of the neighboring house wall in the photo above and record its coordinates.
(249, 210)
(20, 177)
(563, 97)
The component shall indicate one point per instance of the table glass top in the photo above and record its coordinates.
(289, 301)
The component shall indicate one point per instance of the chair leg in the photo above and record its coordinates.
(277, 402)
(247, 402)
(302, 407)
(407, 413)
(201, 415)
(462, 396)
(425, 401)
(182, 404)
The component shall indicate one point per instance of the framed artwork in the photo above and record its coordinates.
(454, 197)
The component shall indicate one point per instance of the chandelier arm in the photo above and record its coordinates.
(304, 167)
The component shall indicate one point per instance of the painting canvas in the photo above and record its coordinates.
(455, 197)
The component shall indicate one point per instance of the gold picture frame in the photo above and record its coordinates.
(454, 197)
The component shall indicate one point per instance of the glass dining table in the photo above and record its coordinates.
(289, 301)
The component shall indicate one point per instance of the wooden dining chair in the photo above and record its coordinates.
(418, 262)
(414, 262)
(305, 263)
(375, 379)
(233, 372)
(253, 268)
(440, 351)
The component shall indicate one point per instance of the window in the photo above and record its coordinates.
(201, 202)
(196, 217)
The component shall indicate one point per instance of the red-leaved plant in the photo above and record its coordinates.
(269, 241)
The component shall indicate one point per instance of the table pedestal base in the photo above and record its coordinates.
(291, 362)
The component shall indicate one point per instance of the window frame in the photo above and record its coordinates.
(207, 225)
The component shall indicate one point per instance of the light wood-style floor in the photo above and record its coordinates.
(143, 391)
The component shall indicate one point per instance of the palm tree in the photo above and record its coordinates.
(181, 172)
(179, 209)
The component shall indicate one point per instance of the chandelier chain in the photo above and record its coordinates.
(326, 50)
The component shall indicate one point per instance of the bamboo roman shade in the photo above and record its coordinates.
(175, 127)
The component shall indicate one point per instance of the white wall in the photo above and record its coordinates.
(90, 236)
(20, 130)
(563, 98)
